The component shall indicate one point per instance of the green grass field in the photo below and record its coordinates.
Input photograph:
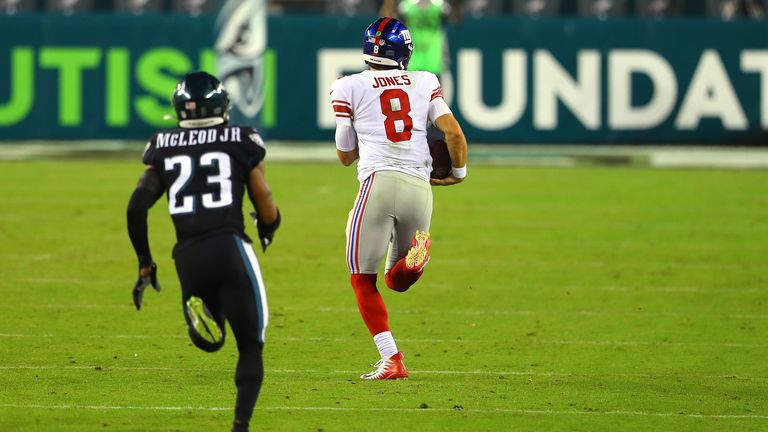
(579, 299)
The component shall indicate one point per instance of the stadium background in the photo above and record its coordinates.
(565, 75)
(590, 294)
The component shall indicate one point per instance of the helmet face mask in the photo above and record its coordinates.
(387, 42)
(200, 100)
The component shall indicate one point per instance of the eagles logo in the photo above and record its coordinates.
(240, 46)
(257, 139)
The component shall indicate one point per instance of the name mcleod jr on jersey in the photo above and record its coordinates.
(197, 136)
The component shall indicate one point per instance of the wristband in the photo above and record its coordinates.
(459, 172)
(145, 260)
(268, 229)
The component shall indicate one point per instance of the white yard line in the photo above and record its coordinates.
(416, 341)
(494, 373)
(424, 410)
(641, 343)
(475, 312)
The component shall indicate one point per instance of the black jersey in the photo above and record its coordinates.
(205, 172)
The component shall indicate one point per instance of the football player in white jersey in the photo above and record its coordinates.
(382, 116)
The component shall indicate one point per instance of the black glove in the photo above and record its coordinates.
(266, 231)
(142, 283)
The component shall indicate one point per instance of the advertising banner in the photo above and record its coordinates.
(86, 77)
(511, 80)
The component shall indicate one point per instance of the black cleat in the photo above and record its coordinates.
(238, 426)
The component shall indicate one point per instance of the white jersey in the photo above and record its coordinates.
(390, 111)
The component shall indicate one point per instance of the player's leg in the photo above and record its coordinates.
(409, 250)
(244, 300)
(196, 266)
(369, 228)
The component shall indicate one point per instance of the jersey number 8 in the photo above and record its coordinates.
(395, 106)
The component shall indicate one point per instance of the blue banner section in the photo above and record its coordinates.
(620, 80)
(510, 79)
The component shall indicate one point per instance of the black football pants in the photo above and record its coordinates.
(223, 271)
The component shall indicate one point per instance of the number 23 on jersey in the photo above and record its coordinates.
(187, 203)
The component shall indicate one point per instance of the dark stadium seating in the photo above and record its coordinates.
(11, 7)
(351, 7)
(69, 7)
(536, 7)
(193, 7)
(139, 6)
(603, 9)
(658, 8)
(482, 8)
(731, 9)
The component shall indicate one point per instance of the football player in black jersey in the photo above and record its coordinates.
(205, 166)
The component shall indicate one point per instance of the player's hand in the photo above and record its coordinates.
(147, 276)
(448, 181)
(266, 231)
(265, 241)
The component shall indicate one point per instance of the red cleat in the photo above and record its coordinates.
(418, 254)
(391, 368)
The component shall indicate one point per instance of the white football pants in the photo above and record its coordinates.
(389, 209)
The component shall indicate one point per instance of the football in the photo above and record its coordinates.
(441, 159)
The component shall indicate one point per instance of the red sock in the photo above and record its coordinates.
(370, 303)
(399, 278)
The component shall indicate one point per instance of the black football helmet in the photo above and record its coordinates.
(200, 95)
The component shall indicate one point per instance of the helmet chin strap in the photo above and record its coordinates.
(202, 122)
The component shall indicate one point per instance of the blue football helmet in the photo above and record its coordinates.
(387, 42)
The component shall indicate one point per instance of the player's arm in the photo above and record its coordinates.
(346, 144)
(346, 137)
(347, 158)
(457, 148)
(267, 215)
(147, 192)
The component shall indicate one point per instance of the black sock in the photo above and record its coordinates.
(248, 378)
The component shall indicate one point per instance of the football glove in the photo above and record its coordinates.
(142, 283)
(266, 231)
